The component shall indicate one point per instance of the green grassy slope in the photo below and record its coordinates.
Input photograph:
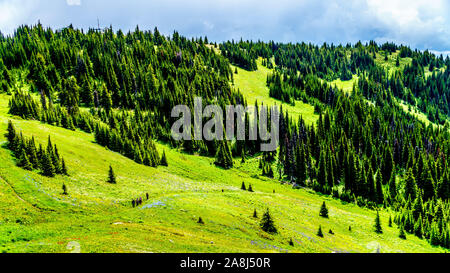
(98, 217)
(252, 85)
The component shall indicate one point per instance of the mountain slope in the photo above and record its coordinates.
(98, 217)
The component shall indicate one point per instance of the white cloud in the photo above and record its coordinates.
(12, 14)
(421, 24)
(73, 2)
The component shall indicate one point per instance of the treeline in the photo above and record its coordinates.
(142, 74)
(118, 132)
(365, 151)
(47, 161)
(430, 93)
(241, 54)
(426, 220)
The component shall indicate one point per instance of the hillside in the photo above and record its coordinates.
(90, 162)
(36, 217)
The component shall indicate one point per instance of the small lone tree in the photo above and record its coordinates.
(331, 232)
(64, 188)
(200, 221)
(324, 210)
(349, 228)
(250, 189)
(390, 221)
(163, 161)
(267, 223)
(319, 232)
(243, 186)
(291, 243)
(255, 214)
(377, 226)
(111, 176)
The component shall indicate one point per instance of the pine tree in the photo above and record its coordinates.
(390, 221)
(324, 210)
(243, 186)
(64, 168)
(267, 223)
(64, 188)
(250, 189)
(200, 221)
(223, 156)
(47, 166)
(319, 232)
(377, 226)
(410, 185)
(255, 214)
(24, 162)
(111, 176)
(11, 135)
(163, 161)
(379, 189)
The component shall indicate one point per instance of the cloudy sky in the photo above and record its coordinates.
(422, 24)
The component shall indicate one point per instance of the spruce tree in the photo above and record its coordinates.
(324, 210)
(64, 168)
(243, 186)
(163, 161)
(200, 221)
(255, 214)
(319, 232)
(64, 188)
(11, 135)
(47, 166)
(250, 189)
(267, 223)
(23, 161)
(111, 176)
(378, 228)
(410, 185)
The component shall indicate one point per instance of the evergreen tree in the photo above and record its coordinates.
(111, 176)
(410, 185)
(47, 166)
(267, 223)
(377, 226)
(11, 135)
(163, 161)
(64, 188)
(24, 162)
(255, 214)
(223, 157)
(402, 234)
(324, 210)
(64, 168)
(319, 232)
(243, 186)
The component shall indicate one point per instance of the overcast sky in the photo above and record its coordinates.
(422, 24)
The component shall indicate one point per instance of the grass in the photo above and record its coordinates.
(252, 85)
(346, 86)
(98, 217)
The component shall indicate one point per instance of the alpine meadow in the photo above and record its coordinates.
(88, 161)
